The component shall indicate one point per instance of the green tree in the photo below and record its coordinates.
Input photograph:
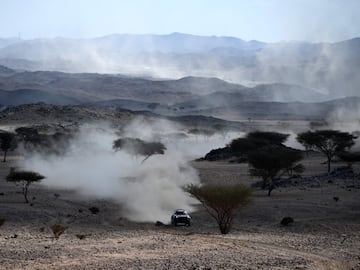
(328, 142)
(25, 178)
(221, 201)
(7, 142)
(271, 161)
(255, 140)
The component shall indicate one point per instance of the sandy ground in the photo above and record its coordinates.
(325, 235)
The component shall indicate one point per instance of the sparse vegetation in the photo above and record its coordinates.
(328, 142)
(58, 230)
(26, 178)
(221, 202)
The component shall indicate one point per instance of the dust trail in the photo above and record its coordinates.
(146, 192)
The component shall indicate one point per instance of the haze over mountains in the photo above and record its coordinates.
(160, 73)
(326, 67)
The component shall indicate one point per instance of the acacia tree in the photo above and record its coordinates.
(221, 201)
(139, 147)
(271, 161)
(255, 140)
(33, 141)
(7, 142)
(25, 178)
(267, 137)
(328, 142)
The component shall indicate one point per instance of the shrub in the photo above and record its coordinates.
(58, 230)
(221, 201)
(94, 210)
(286, 221)
(81, 236)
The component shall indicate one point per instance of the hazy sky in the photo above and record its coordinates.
(266, 20)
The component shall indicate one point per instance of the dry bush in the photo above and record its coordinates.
(286, 221)
(94, 210)
(58, 230)
(221, 201)
(82, 236)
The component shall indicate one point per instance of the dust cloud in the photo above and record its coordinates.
(146, 191)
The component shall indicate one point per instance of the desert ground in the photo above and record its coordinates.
(325, 234)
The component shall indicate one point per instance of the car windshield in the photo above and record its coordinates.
(180, 212)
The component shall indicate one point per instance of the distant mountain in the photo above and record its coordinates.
(4, 42)
(127, 104)
(6, 71)
(185, 92)
(335, 110)
(260, 93)
(26, 96)
(332, 67)
(172, 43)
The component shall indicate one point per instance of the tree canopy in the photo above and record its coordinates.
(255, 140)
(328, 142)
(34, 141)
(267, 156)
(268, 162)
(7, 142)
(137, 146)
(26, 177)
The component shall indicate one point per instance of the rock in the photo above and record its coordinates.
(81, 236)
(345, 171)
(286, 221)
(159, 223)
(94, 210)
